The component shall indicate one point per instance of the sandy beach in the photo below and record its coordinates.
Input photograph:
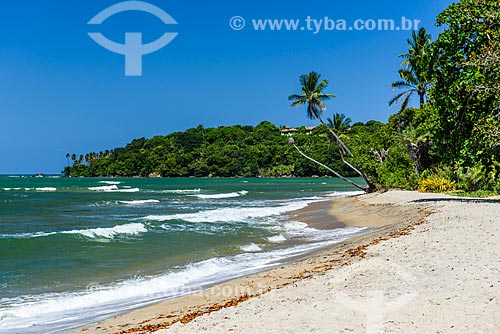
(432, 265)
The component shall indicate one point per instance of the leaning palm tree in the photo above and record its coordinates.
(291, 141)
(313, 97)
(340, 124)
(417, 72)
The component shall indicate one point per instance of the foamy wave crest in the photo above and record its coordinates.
(128, 190)
(110, 182)
(110, 232)
(226, 195)
(140, 202)
(27, 235)
(181, 191)
(114, 189)
(100, 232)
(104, 188)
(277, 238)
(237, 214)
(51, 308)
(60, 311)
(31, 189)
(345, 193)
(251, 248)
(46, 189)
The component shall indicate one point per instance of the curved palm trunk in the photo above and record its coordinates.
(365, 189)
(342, 147)
(422, 100)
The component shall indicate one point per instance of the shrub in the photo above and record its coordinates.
(436, 185)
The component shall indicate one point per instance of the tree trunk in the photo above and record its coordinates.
(365, 189)
(341, 144)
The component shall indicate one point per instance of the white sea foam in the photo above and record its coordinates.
(235, 214)
(294, 225)
(46, 189)
(110, 232)
(181, 191)
(104, 188)
(277, 238)
(251, 248)
(110, 182)
(344, 193)
(225, 195)
(100, 232)
(27, 235)
(140, 202)
(59, 311)
(114, 189)
(31, 189)
(127, 190)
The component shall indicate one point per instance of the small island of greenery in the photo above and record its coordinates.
(450, 142)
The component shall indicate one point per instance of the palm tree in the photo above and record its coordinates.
(416, 79)
(417, 72)
(340, 123)
(313, 97)
(291, 141)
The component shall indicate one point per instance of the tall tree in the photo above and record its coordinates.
(340, 123)
(313, 97)
(467, 90)
(417, 74)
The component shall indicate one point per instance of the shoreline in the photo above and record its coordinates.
(384, 221)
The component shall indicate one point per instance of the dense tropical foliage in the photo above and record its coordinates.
(450, 140)
(455, 133)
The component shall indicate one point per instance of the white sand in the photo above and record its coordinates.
(443, 278)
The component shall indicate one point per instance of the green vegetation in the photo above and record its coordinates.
(230, 151)
(451, 141)
(312, 96)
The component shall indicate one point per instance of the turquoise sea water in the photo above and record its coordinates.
(74, 251)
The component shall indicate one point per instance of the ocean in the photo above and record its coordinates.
(77, 250)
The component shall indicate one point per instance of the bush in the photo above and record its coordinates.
(436, 185)
(476, 178)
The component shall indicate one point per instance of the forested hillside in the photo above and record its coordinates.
(242, 151)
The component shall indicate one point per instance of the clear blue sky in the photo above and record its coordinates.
(61, 92)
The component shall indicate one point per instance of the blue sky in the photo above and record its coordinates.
(61, 92)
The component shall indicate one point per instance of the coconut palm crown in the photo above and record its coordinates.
(312, 95)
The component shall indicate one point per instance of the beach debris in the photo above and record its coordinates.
(339, 258)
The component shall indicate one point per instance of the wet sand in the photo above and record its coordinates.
(430, 264)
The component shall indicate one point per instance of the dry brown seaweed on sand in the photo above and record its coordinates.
(444, 277)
